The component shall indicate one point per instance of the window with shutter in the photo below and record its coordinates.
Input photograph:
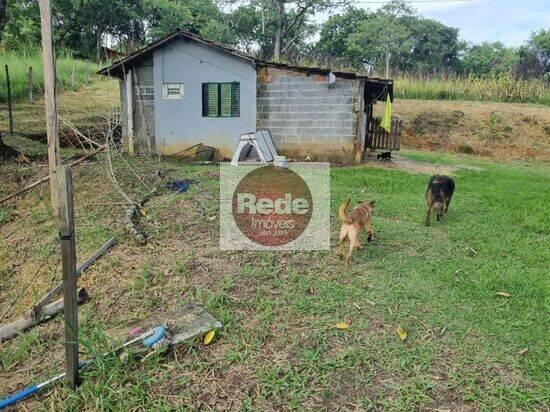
(172, 90)
(221, 100)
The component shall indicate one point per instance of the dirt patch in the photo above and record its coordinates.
(413, 166)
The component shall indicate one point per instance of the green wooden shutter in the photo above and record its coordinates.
(221, 99)
(210, 100)
(225, 99)
(235, 99)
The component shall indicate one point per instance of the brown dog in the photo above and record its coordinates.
(360, 217)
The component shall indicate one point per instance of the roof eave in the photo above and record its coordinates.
(117, 68)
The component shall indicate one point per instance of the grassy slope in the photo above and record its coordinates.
(18, 66)
(85, 108)
(279, 347)
(497, 130)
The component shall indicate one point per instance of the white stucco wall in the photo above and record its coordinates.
(179, 123)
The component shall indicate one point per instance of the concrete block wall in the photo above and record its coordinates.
(307, 118)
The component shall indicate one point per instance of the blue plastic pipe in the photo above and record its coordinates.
(149, 338)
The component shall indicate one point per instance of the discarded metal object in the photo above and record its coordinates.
(12, 329)
(180, 186)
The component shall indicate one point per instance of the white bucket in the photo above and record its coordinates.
(280, 161)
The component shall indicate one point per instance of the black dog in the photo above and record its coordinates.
(384, 156)
(438, 196)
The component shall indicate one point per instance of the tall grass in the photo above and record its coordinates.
(500, 89)
(18, 65)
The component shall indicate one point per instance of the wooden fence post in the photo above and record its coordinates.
(30, 85)
(10, 112)
(72, 76)
(48, 57)
(68, 255)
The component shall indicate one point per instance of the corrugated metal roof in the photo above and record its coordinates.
(117, 69)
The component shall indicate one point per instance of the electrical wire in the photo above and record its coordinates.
(202, 60)
(413, 1)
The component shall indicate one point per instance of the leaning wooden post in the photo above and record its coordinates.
(130, 112)
(10, 111)
(48, 57)
(68, 255)
(30, 85)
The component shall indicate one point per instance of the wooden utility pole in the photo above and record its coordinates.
(68, 255)
(10, 108)
(48, 57)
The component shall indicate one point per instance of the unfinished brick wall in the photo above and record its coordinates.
(307, 118)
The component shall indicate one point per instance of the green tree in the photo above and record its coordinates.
(3, 4)
(488, 59)
(385, 36)
(22, 25)
(290, 20)
(539, 43)
(434, 46)
(335, 36)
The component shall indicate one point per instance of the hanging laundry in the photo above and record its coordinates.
(385, 123)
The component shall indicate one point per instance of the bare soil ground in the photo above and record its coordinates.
(415, 166)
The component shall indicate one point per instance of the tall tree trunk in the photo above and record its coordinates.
(278, 43)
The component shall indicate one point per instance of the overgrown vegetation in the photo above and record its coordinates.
(19, 64)
(86, 109)
(467, 347)
(501, 88)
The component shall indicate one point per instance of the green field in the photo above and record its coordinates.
(467, 347)
(18, 66)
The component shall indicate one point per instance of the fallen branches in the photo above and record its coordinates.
(131, 221)
(12, 329)
(133, 213)
(46, 178)
(35, 312)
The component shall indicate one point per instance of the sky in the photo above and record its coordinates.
(508, 21)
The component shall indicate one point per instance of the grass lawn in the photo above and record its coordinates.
(279, 349)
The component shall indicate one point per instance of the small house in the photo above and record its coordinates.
(183, 91)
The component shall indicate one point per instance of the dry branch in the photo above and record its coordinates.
(133, 213)
(12, 329)
(131, 220)
(35, 312)
(46, 178)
